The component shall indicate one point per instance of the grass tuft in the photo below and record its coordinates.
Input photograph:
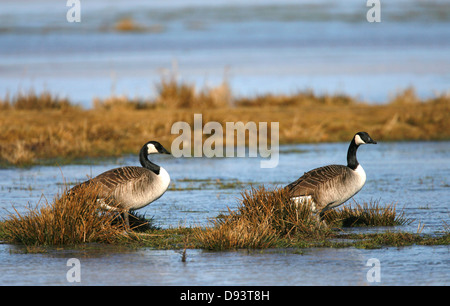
(267, 218)
(173, 94)
(366, 214)
(70, 219)
(262, 219)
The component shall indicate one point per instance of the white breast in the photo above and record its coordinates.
(157, 189)
(360, 177)
(351, 187)
(163, 181)
(133, 197)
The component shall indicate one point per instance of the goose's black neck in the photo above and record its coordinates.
(146, 163)
(352, 162)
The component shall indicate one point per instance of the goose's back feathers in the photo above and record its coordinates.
(114, 178)
(328, 186)
(308, 183)
(131, 187)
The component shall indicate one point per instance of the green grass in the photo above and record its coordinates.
(202, 184)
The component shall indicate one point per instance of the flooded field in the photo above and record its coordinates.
(412, 174)
(256, 47)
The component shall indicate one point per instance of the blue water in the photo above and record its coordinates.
(257, 46)
(415, 175)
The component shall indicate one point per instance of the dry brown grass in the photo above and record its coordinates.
(128, 25)
(366, 214)
(301, 98)
(68, 220)
(269, 218)
(262, 219)
(33, 101)
(175, 95)
(44, 128)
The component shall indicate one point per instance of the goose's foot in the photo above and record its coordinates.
(321, 220)
(126, 220)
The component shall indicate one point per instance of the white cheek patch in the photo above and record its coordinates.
(358, 140)
(151, 149)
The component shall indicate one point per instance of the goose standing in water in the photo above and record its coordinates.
(131, 188)
(330, 186)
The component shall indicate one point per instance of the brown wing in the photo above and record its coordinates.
(112, 179)
(312, 180)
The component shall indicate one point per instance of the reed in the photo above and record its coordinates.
(69, 220)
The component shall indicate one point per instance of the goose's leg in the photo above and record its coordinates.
(127, 220)
(321, 219)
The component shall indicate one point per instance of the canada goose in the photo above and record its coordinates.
(131, 188)
(330, 186)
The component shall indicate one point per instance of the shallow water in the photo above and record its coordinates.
(258, 46)
(415, 175)
(416, 265)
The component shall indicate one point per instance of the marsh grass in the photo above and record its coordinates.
(70, 219)
(127, 24)
(263, 218)
(138, 222)
(43, 128)
(32, 101)
(173, 94)
(388, 238)
(301, 98)
(366, 214)
(268, 218)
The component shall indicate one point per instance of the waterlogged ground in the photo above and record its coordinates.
(406, 266)
(413, 174)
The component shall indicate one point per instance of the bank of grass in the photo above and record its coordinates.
(44, 128)
(269, 218)
(263, 219)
